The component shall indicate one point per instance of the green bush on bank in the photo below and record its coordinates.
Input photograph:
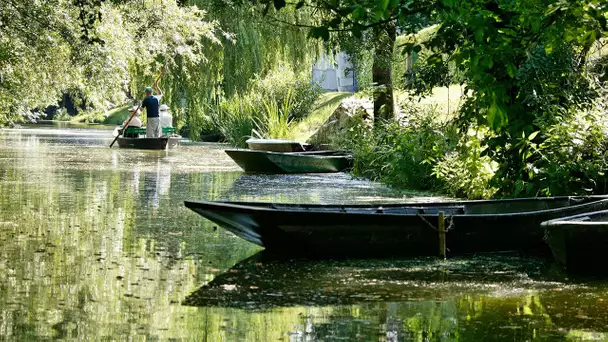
(466, 172)
(571, 158)
(421, 152)
(267, 110)
(403, 153)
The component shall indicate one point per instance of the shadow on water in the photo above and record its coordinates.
(489, 297)
(262, 281)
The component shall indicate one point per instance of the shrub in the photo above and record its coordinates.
(572, 159)
(466, 172)
(235, 119)
(276, 123)
(402, 154)
(282, 83)
(267, 109)
(62, 115)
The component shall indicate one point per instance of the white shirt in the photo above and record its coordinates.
(135, 122)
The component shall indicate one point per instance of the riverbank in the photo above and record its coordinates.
(429, 147)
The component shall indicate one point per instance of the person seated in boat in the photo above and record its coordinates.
(166, 120)
(152, 104)
(135, 122)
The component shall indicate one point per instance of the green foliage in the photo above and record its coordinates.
(466, 172)
(235, 119)
(524, 64)
(267, 110)
(117, 115)
(103, 53)
(402, 154)
(256, 43)
(123, 50)
(34, 67)
(284, 83)
(570, 159)
(61, 115)
(277, 122)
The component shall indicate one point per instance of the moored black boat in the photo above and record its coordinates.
(578, 242)
(292, 162)
(395, 229)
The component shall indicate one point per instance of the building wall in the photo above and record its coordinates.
(331, 73)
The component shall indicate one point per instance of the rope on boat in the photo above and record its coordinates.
(427, 222)
(450, 225)
(441, 231)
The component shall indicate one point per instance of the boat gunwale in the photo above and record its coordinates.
(307, 154)
(576, 220)
(267, 207)
(147, 138)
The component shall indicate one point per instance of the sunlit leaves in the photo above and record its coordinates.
(43, 60)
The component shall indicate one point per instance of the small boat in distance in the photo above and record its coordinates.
(395, 229)
(131, 139)
(160, 143)
(292, 162)
(579, 242)
(277, 145)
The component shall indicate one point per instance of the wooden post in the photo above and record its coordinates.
(441, 234)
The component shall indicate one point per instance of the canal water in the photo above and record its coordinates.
(95, 243)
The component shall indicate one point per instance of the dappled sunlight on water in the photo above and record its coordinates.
(95, 243)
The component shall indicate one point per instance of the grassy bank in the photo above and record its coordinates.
(325, 105)
(114, 116)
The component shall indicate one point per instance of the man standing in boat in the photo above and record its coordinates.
(152, 103)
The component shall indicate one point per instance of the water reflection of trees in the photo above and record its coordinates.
(308, 188)
(82, 254)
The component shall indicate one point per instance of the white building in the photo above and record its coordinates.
(334, 74)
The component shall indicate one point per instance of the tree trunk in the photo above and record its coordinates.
(382, 74)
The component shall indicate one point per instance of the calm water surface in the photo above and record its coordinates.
(95, 243)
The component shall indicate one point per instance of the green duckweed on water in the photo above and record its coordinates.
(96, 244)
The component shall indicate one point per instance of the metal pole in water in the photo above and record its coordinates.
(441, 234)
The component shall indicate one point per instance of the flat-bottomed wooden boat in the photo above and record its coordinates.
(292, 162)
(395, 229)
(578, 242)
(149, 143)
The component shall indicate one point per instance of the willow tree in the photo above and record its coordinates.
(380, 20)
(182, 40)
(257, 41)
(35, 56)
(103, 53)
